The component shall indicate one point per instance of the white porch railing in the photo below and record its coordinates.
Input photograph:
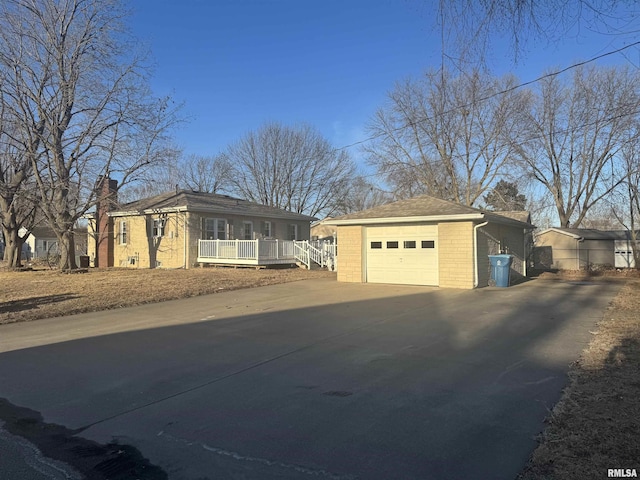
(264, 252)
(255, 250)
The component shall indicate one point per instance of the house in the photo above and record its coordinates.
(323, 230)
(167, 230)
(42, 240)
(579, 248)
(429, 241)
(39, 243)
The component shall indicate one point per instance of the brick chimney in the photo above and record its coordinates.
(107, 194)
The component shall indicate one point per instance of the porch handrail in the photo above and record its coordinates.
(301, 252)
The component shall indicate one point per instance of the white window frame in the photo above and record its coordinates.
(122, 234)
(247, 234)
(158, 227)
(211, 229)
(266, 229)
(295, 231)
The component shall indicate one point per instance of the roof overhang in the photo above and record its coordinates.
(211, 210)
(474, 217)
(561, 232)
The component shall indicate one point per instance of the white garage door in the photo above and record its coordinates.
(407, 255)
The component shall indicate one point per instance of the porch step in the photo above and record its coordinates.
(314, 266)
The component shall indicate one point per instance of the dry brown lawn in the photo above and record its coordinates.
(596, 424)
(35, 294)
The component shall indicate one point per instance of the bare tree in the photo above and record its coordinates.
(470, 27)
(629, 194)
(293, 168)
(78, 84)
(446, 136)
(362, 195)
(18, 202)
(575, 134)
(208, 174)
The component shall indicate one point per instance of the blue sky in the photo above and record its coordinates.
(239, 63)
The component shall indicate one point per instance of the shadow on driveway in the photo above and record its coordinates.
(377, 382)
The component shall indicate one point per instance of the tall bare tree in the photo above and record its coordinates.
(471, 27)
(208, 174)
(363, 194)
(18, 200)
(448, 136)
(78, 84)
(576, 131)
(293, 168)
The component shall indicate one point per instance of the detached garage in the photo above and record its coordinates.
(428, 241)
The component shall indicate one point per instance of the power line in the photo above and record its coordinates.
(493, 95)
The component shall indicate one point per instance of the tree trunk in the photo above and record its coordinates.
(13, 247)
(67, 250)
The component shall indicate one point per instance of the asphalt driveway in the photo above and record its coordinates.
(314, 379)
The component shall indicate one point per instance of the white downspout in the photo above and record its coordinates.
(184, 263)
(475, 252)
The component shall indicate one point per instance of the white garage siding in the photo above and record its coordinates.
(402, 254)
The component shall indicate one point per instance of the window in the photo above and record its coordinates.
(428, 244)
(392, 244)
(221, 229)
(376, 244)
(214, 229)
(293, 231)
(122, 236)
(247, 230)
(158, 227)
(409, 244)
(266, 229)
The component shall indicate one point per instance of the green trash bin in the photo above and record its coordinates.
(500, 269)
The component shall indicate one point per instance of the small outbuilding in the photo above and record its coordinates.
(580, 248)
(429, 241)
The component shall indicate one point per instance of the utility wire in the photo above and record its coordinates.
(493, 95)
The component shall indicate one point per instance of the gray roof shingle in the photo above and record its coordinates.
(422, 206)
(428, 206)
(207, 202)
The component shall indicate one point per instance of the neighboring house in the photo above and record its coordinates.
(40, 241)
(323, 230)
(164, 230)
(579, 248)
(428, 241)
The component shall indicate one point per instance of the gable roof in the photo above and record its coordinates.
(520, 215)
(590, 233)
(192, 201)
(427, 208)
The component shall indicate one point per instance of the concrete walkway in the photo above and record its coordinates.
(314, 379)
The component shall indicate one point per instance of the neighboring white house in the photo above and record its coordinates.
(38, 243)
(43, 240)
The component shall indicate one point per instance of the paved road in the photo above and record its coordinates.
(314, 379)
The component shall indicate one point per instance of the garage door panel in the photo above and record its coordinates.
(404, 255)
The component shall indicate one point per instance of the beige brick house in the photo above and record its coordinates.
(428, 241)
(163, 231)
